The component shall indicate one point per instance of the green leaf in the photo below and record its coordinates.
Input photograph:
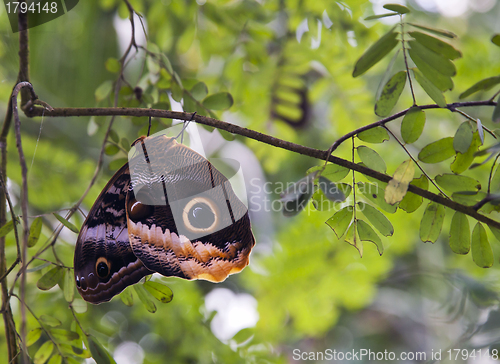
(188, 104)
(495, 231)
(372, 17)
(33, 336)
(496, 39)
(377, 219)
(375, 135)
(227, 135)
(113, 135)
(480, 130)
(481, 249)
(460, 234)
(390, 94)
(376, 195)
(411, 202)
(218, 101)
(35, 231)
(153, 65)
(43, 353)
(199, 91)
(56, 359)
(441, 32)
(177, 90)
(116, 164)
(323, 203)
(332, 171)
(429, 88)
(166, 63)
(442, 82)
(331, 190)
(38, 267)
(296, 197)
(438, 62)
(413, 124)
(495, 181)
(463, 161)
(62, 335)
(66, 223)
(375, 53)
(127, 297)
(351, 238)
(50, 321)
(79, 306)
(244, 335)
(50, 279)
(463, 138)
(432, 222)
(144, 297)
(496, 112)
(71, 360)
(341, 220)
(397, 8)
(366, 233)
(437, 151)
(371, 159)
(398, 185)
(99, 354)
(103, 90)
(68, 349)
(113, 65)
(468, 198)
(436, 45)
(125, 143)
(7, 228)
(457, 183)
(159, 291)
(111, 149)
(69, 285)
(483, 85)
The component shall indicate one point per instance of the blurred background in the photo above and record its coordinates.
(288, 66)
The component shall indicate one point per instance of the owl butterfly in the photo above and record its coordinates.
(168, 210)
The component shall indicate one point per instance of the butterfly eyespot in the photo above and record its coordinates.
(200, 215)
(83, 283)
(102, 268)
(77, 282)
(138, 211)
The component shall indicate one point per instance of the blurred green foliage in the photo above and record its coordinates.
(313, 291)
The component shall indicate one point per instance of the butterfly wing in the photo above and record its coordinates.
(184, 219)
(104, 261)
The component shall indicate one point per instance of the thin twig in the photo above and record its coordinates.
(475, 121)
(42, 325)
(452, 107)
(491, 172)
(13, 216)
(24, 203)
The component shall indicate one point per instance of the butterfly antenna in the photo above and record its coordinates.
(149, 127)
(186, 123)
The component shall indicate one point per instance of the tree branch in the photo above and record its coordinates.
(283, 144)
(24, 206)
(452, 107)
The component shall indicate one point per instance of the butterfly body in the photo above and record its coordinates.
(168, 210)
